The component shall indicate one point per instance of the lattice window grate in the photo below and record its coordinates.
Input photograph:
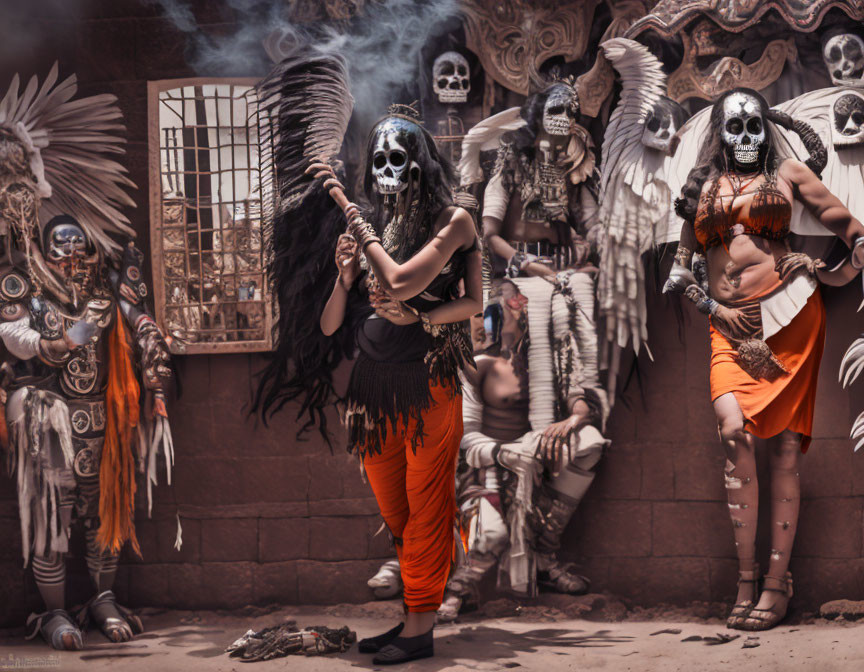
(211, 211)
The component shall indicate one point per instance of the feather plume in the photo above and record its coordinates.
(71, 141)
(307, 104)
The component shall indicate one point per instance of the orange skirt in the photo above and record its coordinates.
(770, 407)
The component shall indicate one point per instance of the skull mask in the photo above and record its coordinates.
(847, 115)
(742, 129)
(70, 254)
(391, 164)
(451, 78)
(661, 125)
(844, 58)
(559, 112)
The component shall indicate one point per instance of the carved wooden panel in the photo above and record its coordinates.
(513, 38)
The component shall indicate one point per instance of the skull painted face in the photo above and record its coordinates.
(559, 112)
(392, 166)
(451, 77)
(71, 255)
(847, 116)
(844, 58)
(661, 125)
(743, 129)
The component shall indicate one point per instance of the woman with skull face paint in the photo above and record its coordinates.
(418, 262)
(767, 319)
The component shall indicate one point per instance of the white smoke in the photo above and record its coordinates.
(381, 46)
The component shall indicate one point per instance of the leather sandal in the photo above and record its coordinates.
(57, 628)
(765, 619)
(742, 609)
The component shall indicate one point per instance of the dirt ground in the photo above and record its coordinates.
(546, 637)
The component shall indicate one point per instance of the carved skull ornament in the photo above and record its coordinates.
(847, 116)
(844, 57)
(451, 77)
(661, 124)
(743, 129)
(559, 112)
(391, 167)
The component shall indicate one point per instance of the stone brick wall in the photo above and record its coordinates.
(267, 519)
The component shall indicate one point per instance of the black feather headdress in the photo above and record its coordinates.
(307, 104)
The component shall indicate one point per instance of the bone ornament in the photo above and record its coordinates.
(743, 129)
(844, 57)
(662, 123)
(847, 120)
(451, 78)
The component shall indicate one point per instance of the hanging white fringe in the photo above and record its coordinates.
(41, 477)
(154, 437)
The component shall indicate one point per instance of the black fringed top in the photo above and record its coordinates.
(397, 364)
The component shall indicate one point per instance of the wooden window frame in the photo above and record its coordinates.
(154, 89)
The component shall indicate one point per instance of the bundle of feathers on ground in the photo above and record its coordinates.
(285, 639)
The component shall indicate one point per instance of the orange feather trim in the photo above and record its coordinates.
(117, 471)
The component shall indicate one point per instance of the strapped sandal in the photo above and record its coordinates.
(765, 619)
(116, 622)
(57, 628)
(561, 579)
(742, 609)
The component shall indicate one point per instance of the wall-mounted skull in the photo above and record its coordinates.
(451, 77)
(559, 111)
(391, 165)
(662, 123)
(743, 129)
(847, 120)
(844, 57)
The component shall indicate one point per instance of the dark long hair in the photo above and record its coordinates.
(713, 158)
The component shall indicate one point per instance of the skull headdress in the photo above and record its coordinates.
(560, 108)
(451, 78)
(406, 180)
(743, 129)
(844, 57)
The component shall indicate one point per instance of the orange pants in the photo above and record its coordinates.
(417, 497)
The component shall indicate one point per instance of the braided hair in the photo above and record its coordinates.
(713, 159)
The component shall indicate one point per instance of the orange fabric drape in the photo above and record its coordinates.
(769, 407)
(117, 470)
(417, 497)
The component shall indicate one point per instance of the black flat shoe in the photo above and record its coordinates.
(375, 644)
(404, 649)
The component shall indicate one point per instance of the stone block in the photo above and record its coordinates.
(699, 471)
(283, 539)
(830, 528)
(610, 528)
(619, 473)
(652, 581)
(161, 52)
(148, 586)
(658, 471)
(105, 51)
(334, 538)
(335, 582)
(723, 579)
(826, 469)
(275, 583)
(325, 479)
(274, 479)
(692, 529)
(227, 585)
(229, 539)
(380, 544)
(817, 581)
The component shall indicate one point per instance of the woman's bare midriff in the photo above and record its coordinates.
(745, 269)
